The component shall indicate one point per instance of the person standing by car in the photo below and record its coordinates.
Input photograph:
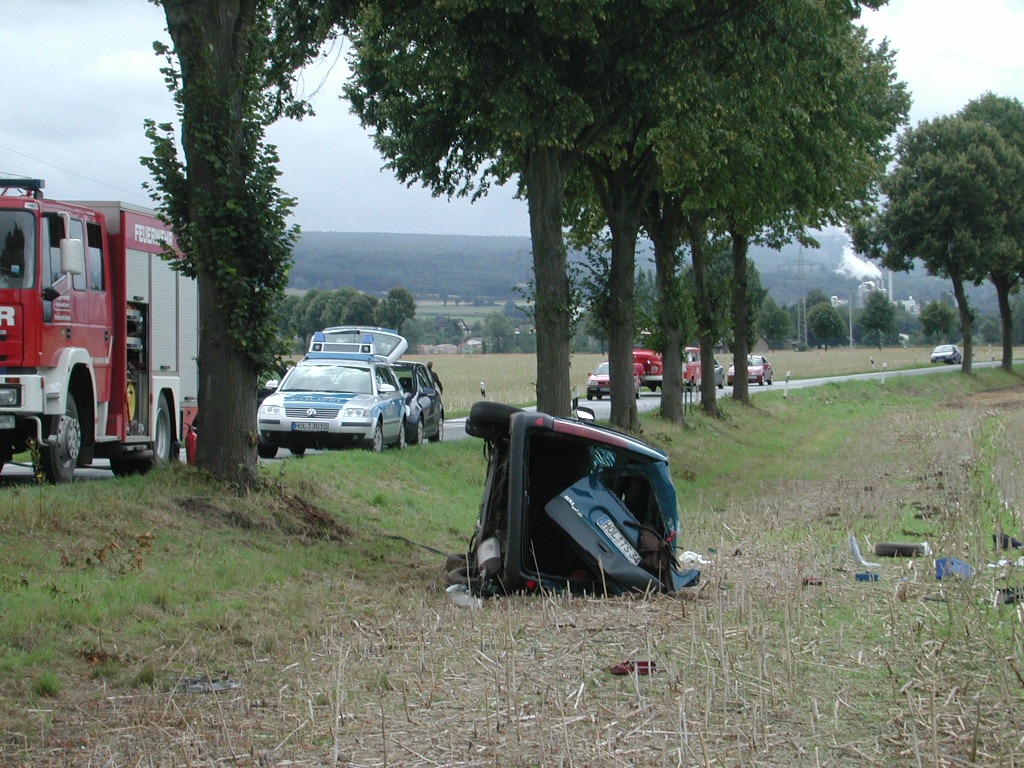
(434, 376)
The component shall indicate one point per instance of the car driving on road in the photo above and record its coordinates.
(759, 371)
(599, 382)
(947, 353)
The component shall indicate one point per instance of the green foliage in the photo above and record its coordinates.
(826, 324)
(396, 309)
(938, 320)
(943, 197)
(774, 323)
(878, 319)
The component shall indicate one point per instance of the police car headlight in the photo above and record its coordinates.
(270, 410)
(10, 396)
(355, 413)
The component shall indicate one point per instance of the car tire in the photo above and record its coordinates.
(400, 443)
(417, 433)
(489, 420)
(589, 396)
(266, 451)
(297, 451)
(376, 443)
(439, 434)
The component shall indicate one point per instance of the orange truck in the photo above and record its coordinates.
(654, 367)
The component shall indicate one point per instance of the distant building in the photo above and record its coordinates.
(444, 323)
(910, 306)
(868, 287)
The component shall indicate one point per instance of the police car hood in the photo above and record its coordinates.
(337, 399)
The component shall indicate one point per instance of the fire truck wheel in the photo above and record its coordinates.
(162, 438)
(161, 445)
(60, 456)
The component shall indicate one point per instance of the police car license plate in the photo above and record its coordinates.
(309, 426)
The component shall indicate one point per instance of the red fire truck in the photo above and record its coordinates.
(98, 335)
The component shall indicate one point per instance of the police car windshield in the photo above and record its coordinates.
(329, 378)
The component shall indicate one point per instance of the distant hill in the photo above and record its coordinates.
(492, 267)
(428, 265)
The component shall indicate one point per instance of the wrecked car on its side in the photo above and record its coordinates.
(569, 505)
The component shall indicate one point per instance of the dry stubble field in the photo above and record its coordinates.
(779, 658)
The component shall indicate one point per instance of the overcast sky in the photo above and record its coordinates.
(80, 77)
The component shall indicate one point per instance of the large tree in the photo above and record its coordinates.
(460, 95)
(944, 207)
(826, 324)
(1006, 254)
(792, 130)
(231, 70)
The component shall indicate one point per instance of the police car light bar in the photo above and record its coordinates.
(319, 343)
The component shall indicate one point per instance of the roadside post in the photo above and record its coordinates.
(785, 390)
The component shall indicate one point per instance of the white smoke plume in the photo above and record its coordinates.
(853, 265)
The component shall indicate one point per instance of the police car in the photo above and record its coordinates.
(332, 399)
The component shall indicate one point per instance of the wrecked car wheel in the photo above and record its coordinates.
(489, 420)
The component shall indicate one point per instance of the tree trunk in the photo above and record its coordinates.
(227, 397)
(209, 39)
(545, 176)
(666, 281)
(966, 322)
(741, 323)
(705, 321)
(1003, 285)
(663, 224)
(624, 226)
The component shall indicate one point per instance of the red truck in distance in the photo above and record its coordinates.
(654, 367)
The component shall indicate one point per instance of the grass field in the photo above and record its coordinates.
(166, 621)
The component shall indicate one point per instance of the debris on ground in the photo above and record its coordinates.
(951, 566)
(858, 558)
(638, 667)
(207, 684)
(902, 549)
